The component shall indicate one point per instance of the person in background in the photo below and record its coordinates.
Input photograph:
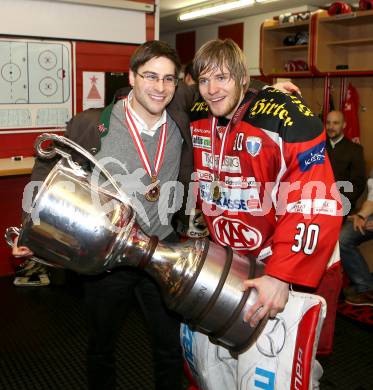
(358, 229)
(188, 74)
(346, 157)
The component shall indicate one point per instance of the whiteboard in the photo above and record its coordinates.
(35, 83)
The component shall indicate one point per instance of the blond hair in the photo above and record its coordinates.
(218, 53)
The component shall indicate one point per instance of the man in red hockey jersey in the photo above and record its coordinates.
(266, 188)
(269, 189)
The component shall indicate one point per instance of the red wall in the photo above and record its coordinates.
(99, 57)
(17, 144)
(186, 46)
(233, 31)
(11, 190)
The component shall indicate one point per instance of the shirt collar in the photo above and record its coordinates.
(339, 139)
(142, 127)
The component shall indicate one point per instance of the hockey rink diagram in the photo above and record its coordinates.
(32, 74)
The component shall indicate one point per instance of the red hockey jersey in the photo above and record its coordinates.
(278, 198)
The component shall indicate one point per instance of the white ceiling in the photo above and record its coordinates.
(170, 9)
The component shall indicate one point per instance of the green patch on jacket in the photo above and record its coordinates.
(104, 121)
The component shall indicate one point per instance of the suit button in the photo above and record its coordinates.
(93, 150)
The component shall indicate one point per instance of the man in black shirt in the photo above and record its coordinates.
(346, 157)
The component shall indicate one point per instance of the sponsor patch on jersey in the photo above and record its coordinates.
(196, 131)
(311, 157)
(230, 163)
(201, 142)
(232, 199)
(236, 234)
(204, 175)
(270, 107)
(239, 181)
(264, 253)
(302, 206)
(316, 206)
(325, 206)
(253, 145)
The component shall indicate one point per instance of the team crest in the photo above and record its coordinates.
(253, 145)
(236, 234)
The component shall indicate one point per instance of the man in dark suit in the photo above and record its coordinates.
(346, 157)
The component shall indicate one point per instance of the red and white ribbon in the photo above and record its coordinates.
(140, 147)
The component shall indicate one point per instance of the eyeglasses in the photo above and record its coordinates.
(221, 80)
(153, 78)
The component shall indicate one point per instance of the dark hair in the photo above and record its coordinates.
(188, 70)
(154, 49)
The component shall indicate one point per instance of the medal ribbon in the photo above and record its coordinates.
(238, 115)
(143, 154)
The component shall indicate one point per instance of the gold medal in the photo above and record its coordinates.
(153, 194)
(215, 190)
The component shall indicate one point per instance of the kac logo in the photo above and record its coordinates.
(236, 234)
(253, 145)
(312, 156)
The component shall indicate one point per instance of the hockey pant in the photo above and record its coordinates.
(282, 357)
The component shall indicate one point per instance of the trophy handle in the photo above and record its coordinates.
(11, 233)
(52, 152)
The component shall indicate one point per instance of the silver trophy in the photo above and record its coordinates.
(69, 227)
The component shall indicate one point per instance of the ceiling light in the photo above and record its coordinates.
(214, 9)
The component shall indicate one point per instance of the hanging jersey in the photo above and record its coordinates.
(277, 196)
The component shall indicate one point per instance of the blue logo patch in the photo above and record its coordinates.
(253, 145)
(315, 155)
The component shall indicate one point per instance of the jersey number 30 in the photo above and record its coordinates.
(306, 238)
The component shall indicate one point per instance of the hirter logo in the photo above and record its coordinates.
(236, 234)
